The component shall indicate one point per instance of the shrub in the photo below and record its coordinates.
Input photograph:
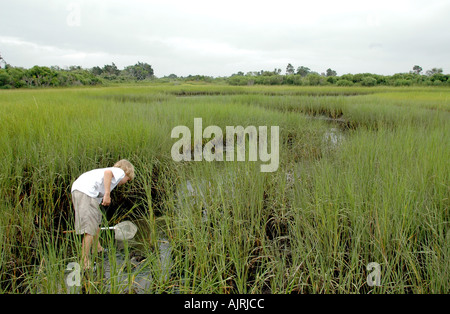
(332, 79)
(238, 80)
(347, 77)
(314, 79)
(368, 81)
(344, 83)
(5, 78)
(402, 82)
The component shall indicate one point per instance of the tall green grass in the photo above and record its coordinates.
(380, 195)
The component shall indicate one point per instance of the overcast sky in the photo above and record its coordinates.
(219, 38)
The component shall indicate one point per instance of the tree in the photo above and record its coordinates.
(5, 78)
(344, 82)
(303, 71)
(2, 61)
(40, 76)
(368, 81)
(314, 79)
(434, 71)
(290, 69)
(79, 68)
(17, 76)
(96, 70)
(417, 69)
(140, 71)
(331, 72)
(111, 70)
(270, 73)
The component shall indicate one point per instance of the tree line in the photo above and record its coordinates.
(41, 76)
(305, 76)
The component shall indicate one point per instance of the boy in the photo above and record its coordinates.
(88, 191)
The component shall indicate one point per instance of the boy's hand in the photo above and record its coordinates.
(106, 200)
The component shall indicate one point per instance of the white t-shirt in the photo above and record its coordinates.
(91, 182)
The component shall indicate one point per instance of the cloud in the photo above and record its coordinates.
(221, 38)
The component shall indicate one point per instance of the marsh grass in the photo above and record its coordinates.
(380, 195)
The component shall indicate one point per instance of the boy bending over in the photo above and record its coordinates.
(89, 191)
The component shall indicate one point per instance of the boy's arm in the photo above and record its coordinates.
(107, 183)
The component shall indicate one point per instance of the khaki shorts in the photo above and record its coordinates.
(88, 216)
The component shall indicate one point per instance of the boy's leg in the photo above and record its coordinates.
(90, 242)
(87, 220)
(85, 250)
(97, 242)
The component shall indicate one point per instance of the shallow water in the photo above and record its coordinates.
(128, 267)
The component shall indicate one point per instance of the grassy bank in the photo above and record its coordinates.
(378, 191)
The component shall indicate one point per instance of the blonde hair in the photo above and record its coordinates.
(126, 166)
